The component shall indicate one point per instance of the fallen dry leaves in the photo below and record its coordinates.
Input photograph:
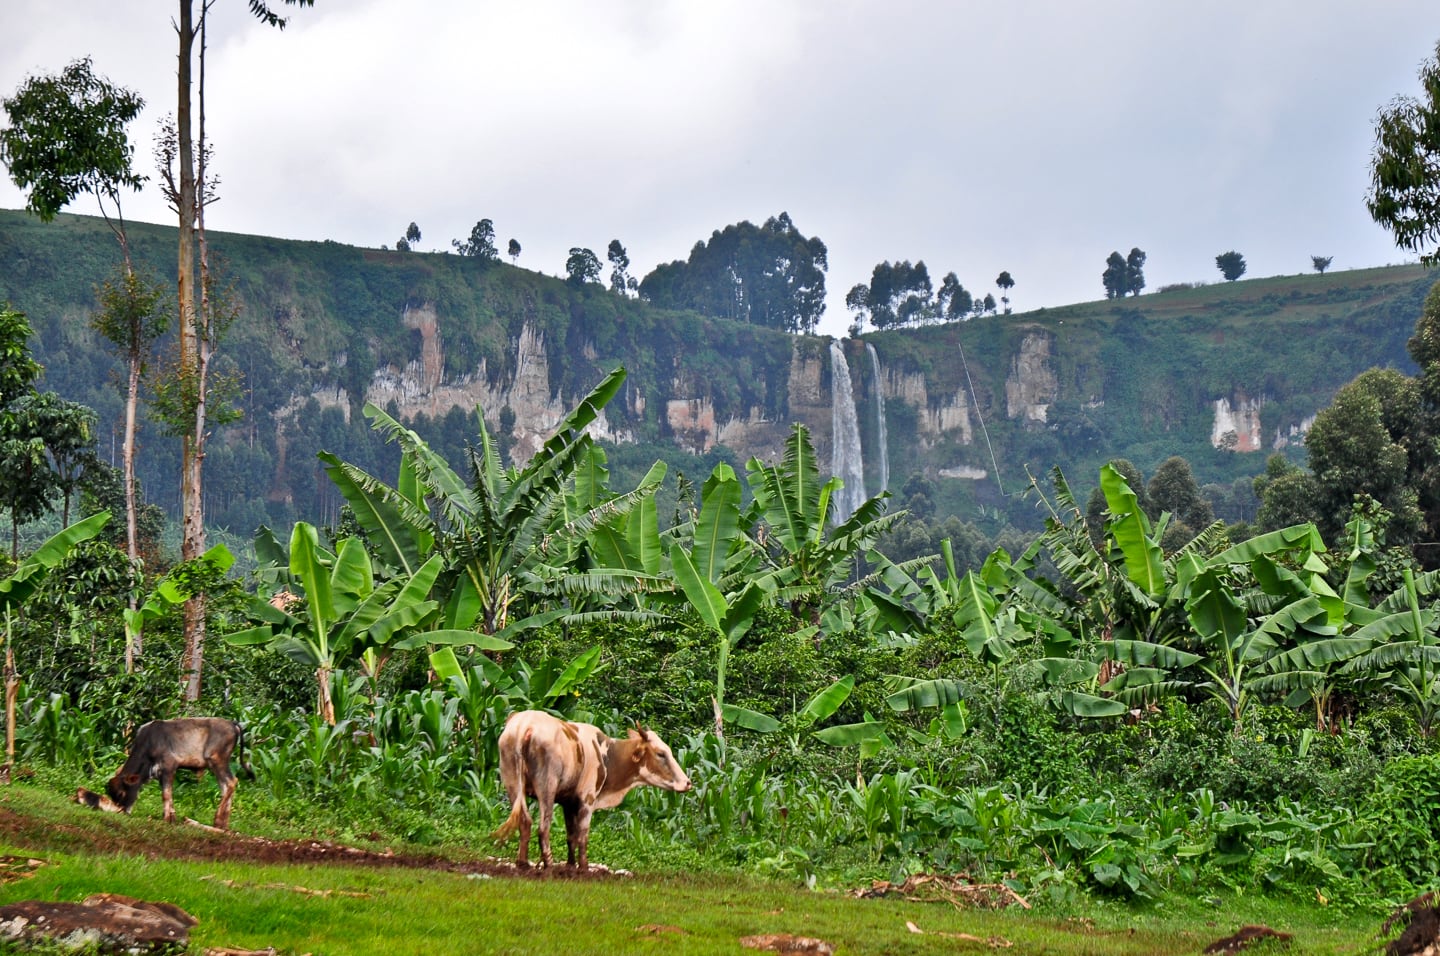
(956, 890)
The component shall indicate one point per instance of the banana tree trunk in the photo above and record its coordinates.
(12, 695)
(327, 705)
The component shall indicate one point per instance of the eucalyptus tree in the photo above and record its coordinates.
(187, 187)
(621, 282)
(1006, 282)
(1404, 194)
(131, 315)
(481, 243)
(581, 267)
(67, 136)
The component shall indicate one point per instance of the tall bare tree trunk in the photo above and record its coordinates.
(12, 697)
(192, 523)
(132, 537)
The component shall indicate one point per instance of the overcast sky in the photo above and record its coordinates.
(1033, 136)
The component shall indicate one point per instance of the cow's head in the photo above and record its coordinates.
(123, 789)
(655, 764)
(96, 801)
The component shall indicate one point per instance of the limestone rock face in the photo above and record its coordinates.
(938, 417)
(1237, 426)
(1031, 385)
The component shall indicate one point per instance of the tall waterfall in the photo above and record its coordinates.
(882, 437)
(846, 462)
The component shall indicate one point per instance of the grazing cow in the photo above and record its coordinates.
(163, 746)
(579, 767)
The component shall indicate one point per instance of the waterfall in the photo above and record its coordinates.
(846, 462)
(883, 438)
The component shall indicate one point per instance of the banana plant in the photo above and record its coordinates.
(504, 537)
(808, 560)
(1326, 630)
(1405, 653)
(27, 577)
(340, 615)
(705, 572)
(869, 734)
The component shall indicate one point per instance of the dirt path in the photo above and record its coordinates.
(182, 842)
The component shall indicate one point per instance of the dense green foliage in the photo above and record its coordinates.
(1402, 195)
(769, 275)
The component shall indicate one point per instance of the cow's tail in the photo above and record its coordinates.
(240, 751)
(517, 808)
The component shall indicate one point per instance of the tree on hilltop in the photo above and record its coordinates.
(1321, 263)
(1114, 277)
(1124, 275)
(407, 242)
(480, 245)
(1006, 283)
(1135, 271)
(1231, 265)
(621, 282)
(514, 251)
(582, 266)
(953, 302)
(769, 275)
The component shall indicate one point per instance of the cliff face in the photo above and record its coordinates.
(944, 417)
(1223, 375)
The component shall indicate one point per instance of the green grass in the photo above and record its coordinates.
(397, 910)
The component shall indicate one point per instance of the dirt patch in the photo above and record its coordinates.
(109, 922)
(1246, 936)
(209, 845)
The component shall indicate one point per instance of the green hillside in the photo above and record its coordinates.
(1135, 378)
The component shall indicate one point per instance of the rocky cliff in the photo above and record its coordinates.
(1223, 375)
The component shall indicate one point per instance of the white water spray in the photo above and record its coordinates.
(846, 461)
(884, 439)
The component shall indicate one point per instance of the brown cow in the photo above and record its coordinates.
(579, 767)
(163, 746)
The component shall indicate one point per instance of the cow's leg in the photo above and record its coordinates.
(572, 829)
(581, 840)
(512, 774)
(167, 782)
(547, 817)
(226, 780)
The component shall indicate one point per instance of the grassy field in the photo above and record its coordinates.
(463, 902)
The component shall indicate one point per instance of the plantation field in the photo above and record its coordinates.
(393, 899)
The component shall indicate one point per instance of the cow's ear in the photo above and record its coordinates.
(131, 779)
